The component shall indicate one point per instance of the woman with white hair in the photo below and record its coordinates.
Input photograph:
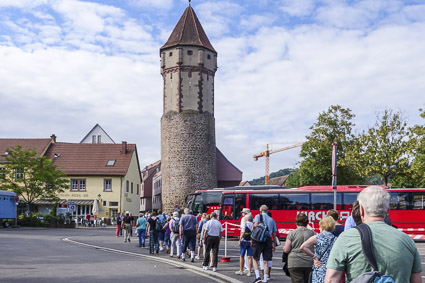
(174, 236)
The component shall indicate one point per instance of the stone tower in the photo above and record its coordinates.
(188, 151)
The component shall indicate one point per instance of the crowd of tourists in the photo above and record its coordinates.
(337, 254)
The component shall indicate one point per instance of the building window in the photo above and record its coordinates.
(107, 185)
(110, 162)
(78, 184)
(19, 173)
(137, 189)
(104, 203)
(170, 54)
(189, 52)
(126, 186)
(209, 57)
(99, 139)
(93, 139)
(113, 203)
(131, 187)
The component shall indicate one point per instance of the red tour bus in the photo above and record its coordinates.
(407, 206)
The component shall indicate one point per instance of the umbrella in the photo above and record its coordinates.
(95, 209)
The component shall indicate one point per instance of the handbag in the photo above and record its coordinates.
(285, 265)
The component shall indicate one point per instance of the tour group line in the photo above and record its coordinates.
(197, 270)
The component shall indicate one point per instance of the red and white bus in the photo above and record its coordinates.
(407, 206)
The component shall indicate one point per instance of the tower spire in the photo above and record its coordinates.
(189, 2)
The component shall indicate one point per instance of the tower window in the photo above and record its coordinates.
(209, 57)
(170, 54)
(189, 52)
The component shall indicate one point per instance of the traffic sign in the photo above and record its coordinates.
(72, 207)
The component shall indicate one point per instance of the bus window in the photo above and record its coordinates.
(418, 200)
(325, 201)
(295, 201)
(240, 202)
(349, 199)
(399, 200)
(257, 200)
(227, 208)
(198, 204)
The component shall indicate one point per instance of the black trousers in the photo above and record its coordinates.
(212, 243)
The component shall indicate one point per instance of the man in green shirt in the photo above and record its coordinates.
(395, 252)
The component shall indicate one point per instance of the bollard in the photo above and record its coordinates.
(225, 258)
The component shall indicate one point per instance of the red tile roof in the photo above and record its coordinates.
(188, 31)
(41, 145)
(80, 159)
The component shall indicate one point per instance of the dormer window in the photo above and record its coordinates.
(110, 162)
(189, 52)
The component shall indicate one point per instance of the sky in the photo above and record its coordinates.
(66, 65)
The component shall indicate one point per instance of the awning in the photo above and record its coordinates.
(62, 201)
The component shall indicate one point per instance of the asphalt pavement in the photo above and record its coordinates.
(96, 255)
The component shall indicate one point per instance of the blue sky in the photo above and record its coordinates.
(66, 65)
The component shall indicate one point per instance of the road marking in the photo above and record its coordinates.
(213, 275)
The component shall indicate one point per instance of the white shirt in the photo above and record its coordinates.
(213, 228)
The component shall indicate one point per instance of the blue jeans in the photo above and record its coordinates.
(142, 236)
(167, 241)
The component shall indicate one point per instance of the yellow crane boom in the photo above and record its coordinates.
(267, 153)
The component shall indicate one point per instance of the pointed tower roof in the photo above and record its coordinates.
(188, 31)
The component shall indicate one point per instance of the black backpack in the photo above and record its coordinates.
(247, 234)
(158, 225)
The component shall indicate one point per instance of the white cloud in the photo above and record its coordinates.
(299, 8)
(157, 4)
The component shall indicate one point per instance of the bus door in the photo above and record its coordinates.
(227, 207)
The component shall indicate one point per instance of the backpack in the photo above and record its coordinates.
(259, 233)
(158, 225)
(176, 227)
(371, 276)
(247, 234)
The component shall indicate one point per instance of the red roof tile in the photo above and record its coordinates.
(188, 31)
(41, 145)
(80, 159)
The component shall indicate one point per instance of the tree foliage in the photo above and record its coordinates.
(333, 125)
(383, 149)
(32, 177)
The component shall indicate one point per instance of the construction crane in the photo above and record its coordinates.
(267, 153)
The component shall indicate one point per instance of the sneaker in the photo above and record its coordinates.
(183, 259)
(129, 240)
(161, 249)
(205, 268)
(258, 280)
(249, 274)
(214, 269)
(192, 260)
(239, 272)
(197, 257)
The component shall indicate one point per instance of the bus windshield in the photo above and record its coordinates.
(203, 201)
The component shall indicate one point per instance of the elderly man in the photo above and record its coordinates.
(266, 248)
(212, 236)
(395, 252)
(188, 228)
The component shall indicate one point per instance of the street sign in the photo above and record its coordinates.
(72, 207)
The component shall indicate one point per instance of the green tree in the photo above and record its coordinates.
(333, 125)
(32, 177)
(413, 175)
(383, 149)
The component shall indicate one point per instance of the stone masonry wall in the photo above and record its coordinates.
(188, 156)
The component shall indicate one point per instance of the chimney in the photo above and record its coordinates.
(53, 138)
(124, 147)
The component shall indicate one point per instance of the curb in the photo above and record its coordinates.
(197, 270)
